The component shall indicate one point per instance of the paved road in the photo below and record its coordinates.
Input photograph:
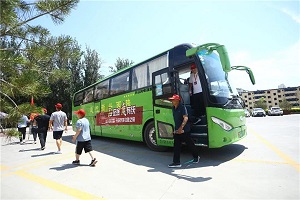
(264, 165)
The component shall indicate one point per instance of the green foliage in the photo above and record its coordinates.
(261, 103)
(285, 105)
(120, 64)
(295, 110)
(11, 133)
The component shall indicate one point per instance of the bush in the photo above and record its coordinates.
(10, 133)
(295, 110)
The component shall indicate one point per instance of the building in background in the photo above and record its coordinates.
(272, 96)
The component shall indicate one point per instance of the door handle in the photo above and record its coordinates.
(157, 111)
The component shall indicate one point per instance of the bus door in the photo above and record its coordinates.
(164, 87)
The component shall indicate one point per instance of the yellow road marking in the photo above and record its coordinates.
(56, 186)
(282, 155)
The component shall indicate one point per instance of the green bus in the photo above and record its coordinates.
(132, 104)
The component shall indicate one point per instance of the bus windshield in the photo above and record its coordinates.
(219, 86)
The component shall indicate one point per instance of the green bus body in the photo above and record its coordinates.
(132, 103)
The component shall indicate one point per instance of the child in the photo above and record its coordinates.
(83, 138)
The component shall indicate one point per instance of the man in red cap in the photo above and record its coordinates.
(182, 132)
(83, 138)
(42, 127)
(195, 90)
(58, 123)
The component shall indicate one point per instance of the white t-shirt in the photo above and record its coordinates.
(58, 118)
(194, 79)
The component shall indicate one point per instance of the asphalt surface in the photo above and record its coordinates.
(264, 165)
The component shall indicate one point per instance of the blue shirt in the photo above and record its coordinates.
(178, 117)
(85, 134)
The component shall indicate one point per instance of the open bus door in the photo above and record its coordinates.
(164, 86)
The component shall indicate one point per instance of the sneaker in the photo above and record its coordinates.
(174, 165)
(76, 162)
(196, 160)
(34, 142)
(58, 152)
(93, 162)
(43, 148)
(197, 121)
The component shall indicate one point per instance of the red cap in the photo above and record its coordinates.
(58, 105)
(80, 112)
(45, 110)
(175, 97)
(193, 66)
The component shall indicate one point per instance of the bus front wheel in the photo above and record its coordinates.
(150, 138)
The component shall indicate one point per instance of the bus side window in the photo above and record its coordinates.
(120, 83)
(78, 99)
(101, 90)
(89, 96)
(139, 77)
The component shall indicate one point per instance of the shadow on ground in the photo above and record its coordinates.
(137, 153)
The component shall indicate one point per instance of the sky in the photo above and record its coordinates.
(262, 35)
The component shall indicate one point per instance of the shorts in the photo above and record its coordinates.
(57, 134)
(86, 145)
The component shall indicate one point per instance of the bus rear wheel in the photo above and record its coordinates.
(150, 138)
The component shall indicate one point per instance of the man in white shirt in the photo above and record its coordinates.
(195, 90)
(58, 123)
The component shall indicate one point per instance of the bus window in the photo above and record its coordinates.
(162, 83)
(89, 95)
(101, 90)
(139, 78)
(119, 84)
(157, 64)
(78, 99)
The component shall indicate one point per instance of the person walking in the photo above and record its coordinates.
(83, 138)
(22, 125)
(195, 91)
(42, 122)
(57, 122)
(182, 132)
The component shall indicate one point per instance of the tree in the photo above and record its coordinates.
(261, 103)
(23, 50)
(285, 105)
(92, 64)
(120, 64)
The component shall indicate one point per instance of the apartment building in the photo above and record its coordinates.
(272, 96)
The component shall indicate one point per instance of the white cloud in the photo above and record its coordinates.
(294, 16)
(280, 67)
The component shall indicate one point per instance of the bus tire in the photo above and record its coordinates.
(150, 138)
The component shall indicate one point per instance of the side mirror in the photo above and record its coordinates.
(210, 47)
(248, 70)
(224, 58)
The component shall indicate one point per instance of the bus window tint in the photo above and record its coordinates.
(119, 84)
(140, 77)
(89, 95)
(162, 81)
(101, 90)
(78, 99)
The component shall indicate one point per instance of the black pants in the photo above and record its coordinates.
(34, 131)
(178, 139)
(42, 133)
(198, 104)
(22, 133)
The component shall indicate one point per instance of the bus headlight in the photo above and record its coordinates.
(221, 123)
